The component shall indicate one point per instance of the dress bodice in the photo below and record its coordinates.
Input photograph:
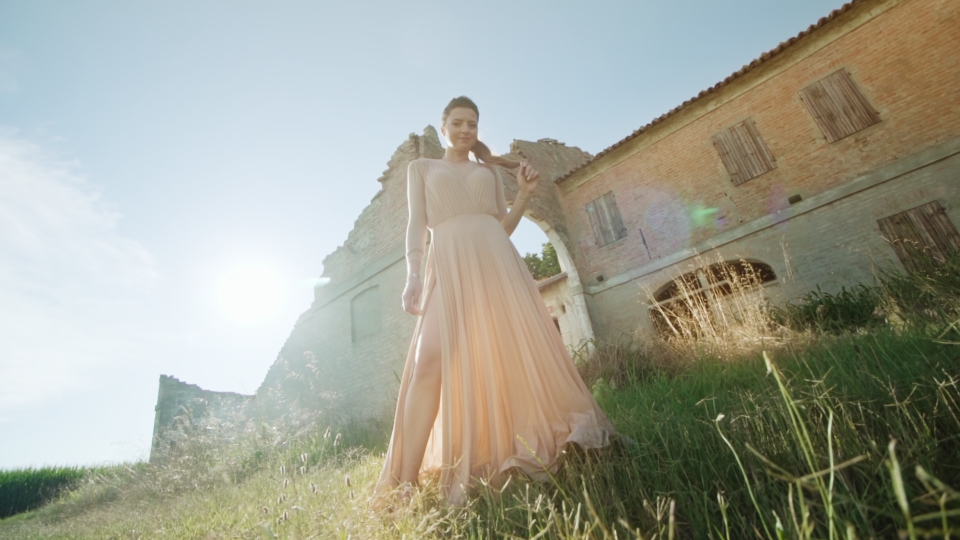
(453, 189)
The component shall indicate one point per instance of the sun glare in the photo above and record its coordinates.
(251, 294)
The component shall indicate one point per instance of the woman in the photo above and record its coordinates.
(488, 384)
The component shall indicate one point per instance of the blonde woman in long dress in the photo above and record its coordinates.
(488, 385)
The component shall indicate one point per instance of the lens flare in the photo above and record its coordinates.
(671, 221)
(702, 216)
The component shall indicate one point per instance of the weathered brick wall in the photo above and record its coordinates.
(669, 182)
(358, 376)
(834, 245)
(321, 345)
(904, 60)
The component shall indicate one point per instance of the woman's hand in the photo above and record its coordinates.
(527, 178)
(411, 295)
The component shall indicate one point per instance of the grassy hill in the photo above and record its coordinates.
(837, 422)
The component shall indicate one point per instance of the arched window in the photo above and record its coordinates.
(365, 313)
(696, 300)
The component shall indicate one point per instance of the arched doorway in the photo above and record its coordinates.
(563, 295)
(554, 159)
(714, 297)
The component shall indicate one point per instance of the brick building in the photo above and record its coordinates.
(802, 162)
(814, 163)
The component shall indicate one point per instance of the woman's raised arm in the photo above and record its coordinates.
(527, 181)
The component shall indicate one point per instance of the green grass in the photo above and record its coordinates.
(850, 309)
(864, 390)
(842, 400)
(29, 488)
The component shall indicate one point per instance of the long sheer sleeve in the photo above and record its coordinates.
(417, 221)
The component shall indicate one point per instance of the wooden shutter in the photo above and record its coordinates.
(605, 219)
(922, 230)
(743, 152)
(838, 106)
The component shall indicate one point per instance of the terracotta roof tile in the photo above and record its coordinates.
(551, 280)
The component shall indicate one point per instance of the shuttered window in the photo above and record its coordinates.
(605, 219)
(743, 152)
(922, 230)
(838, 106)
(365, 313)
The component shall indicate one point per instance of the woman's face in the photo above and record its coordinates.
(460, 129)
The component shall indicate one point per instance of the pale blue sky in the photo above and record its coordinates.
(149, 148)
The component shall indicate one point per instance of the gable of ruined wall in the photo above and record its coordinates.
(379, 227)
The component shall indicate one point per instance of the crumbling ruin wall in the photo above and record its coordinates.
(188, 405)
(343, 355)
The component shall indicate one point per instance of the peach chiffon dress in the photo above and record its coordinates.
(510, 394)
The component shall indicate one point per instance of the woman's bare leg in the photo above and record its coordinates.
(423, 395)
